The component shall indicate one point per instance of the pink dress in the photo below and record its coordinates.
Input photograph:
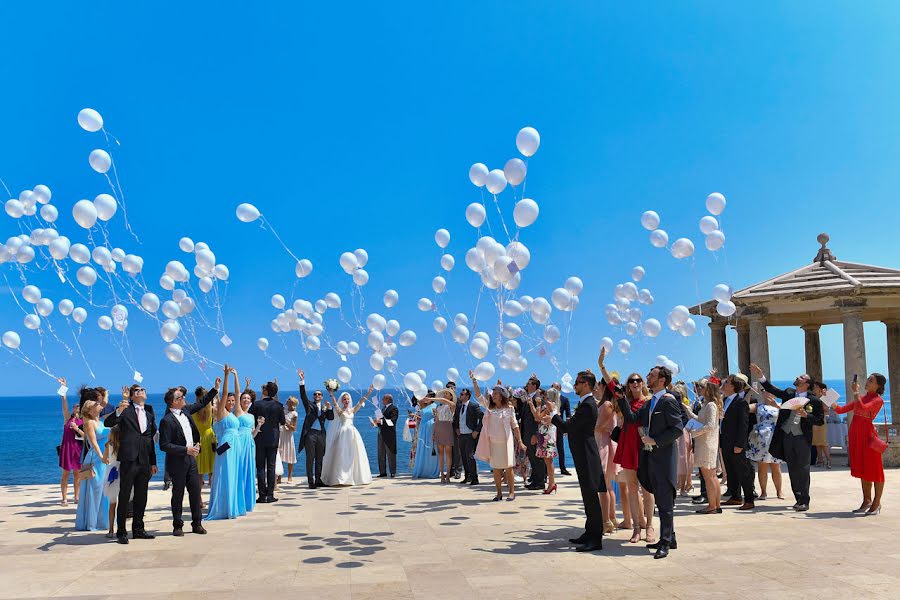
(70, 449)
(606, 446)
(495, 444)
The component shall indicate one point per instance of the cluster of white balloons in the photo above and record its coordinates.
(722, 293)
(709, 225)
(206, 269)
(303, 316)
(681, 248)
(680, 320)
(514, 171)
(498, 265)
(664, 361)
(353, 262)
(86, 212)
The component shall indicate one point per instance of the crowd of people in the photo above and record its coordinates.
(634, 444)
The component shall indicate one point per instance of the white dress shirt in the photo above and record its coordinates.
(185, 426)
(141, 416)
(463, 428)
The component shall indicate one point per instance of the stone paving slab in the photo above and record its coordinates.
(406, 538)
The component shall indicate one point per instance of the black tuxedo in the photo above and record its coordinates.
(313, 440)
(267, 443)
(565, 411)
(734, 434)
(137, 457)
(658, 468)
(795, 449)
(387, 440)
(468, 442)
(586, 456)
(181, 466)
(529, 429)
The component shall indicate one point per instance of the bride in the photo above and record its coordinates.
(346, 461)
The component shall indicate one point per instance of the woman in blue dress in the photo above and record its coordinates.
(93, 505)
(247, 466)
(426, 465)
(226, 499)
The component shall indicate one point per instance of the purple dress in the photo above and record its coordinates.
(70, 449)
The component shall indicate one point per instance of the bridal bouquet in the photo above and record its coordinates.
(332, 385)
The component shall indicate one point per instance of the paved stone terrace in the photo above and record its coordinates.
(420, 539)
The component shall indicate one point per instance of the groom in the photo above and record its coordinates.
(312, 435)
(387, 436)
(272, 412)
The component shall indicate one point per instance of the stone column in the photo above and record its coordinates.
(893, 374)
(743, 346)
(719, 346)
(813, 351)
(759, 343)
(854, 348)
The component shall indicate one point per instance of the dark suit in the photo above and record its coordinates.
(137, 456)
(313, 440)
(529, 429)
(267, 443)
(467, 442)
(180, 465)
(583, 445)
(387, 440)
(658, 468)
(795, 449)
(565, 411)
(734, 433)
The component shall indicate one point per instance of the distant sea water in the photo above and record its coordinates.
(32, 426)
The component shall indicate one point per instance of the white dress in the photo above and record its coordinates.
(346, 461)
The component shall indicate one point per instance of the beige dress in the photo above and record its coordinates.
(706, 439)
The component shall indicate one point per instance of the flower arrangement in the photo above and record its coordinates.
(332, 385)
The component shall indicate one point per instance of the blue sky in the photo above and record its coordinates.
(354, 127)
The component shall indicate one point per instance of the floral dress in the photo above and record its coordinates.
(546, 440)
(761, 435)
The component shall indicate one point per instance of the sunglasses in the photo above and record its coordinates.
(139, 389)
(635, 381)
(577, 381)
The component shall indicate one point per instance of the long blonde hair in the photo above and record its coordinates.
(645, 391)
(713, 393)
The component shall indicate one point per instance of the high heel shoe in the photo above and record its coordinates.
(498, 498)
(635, 536)
(873, 513)
(609, 528)
(550, 489)
(862, 509)
(651, 535)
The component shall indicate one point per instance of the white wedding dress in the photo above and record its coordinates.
(345, 461)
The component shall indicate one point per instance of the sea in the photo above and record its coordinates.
(32, 426)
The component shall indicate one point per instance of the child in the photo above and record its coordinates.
(111, 485)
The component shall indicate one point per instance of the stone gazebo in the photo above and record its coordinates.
(826, 292)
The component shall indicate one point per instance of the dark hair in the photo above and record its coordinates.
(134, 387)
(588, 377)
(466, 390)
(86, 394)
(170, 396)
(270, 389)
(451, 384)
(183, 389)
(388, 397)
(535, 381)
(880, 380)
(665, 373)
(101, 390)
(251, 393)
(736, 383)
(199, 391)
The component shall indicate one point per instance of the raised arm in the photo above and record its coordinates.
(767, 385)
(481, 399)
(362, 401)
(334, 403)
(65, 402)
(303, 397)
(606, 376)
(209, 397)
(220, 405)
(238, 411)
(625, 406)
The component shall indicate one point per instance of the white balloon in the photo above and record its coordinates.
(425, 304)
(715, 241)
(106, 206)
(353, 347)
(262, 343)
(362, 257)
(391, 297)
(460, 334)
(478, 348)
(448, 262)
(528, 140)
(726, 309)
(133, 264)
(607, 343)
(392, 327)
(715, 203)
(624, 346)
(186, 244)
(511, 331)
(117, 254)
(574, 285)
(631, 328)
(407, 338)
(514, 170)
(525, 212)
(166, 283)
(520, 254)
(688, 329)
(321, 307)
(247, 213)
(460, 319)
(105, 323)
(66, 307)
(86, 276)
(31, 294)
(348, 262)
(512, 349)
(475, 214)
(42, 194)
(79, 315)
(90, 120)
(722, 292)
(278, 301)
(503, 269)
(440, 324)
(682, 248)
(379, 381)
(439, 284)
(32, 321)
(650, 220)
(513, 308)
(651, 327)
(659, 238)
(170, 330)
(670, 322)
(551, 334)
(376, 322)
(344, 374)
(540, 310)
(177, 271)
(44, 307)
(504, 362)
(478, 174)
(100, 160)
(561, 298)
(332, 300)
(150, 302)
(175, 353)
(25, 254)
(14, 208)
(442, 238)
(11, 339)
(375, 340)
(221, 272)
(304, 268)
(85, 213)
(313, 343)
(412, 381)
(49, 213)
(680, 314)
(360, 277)
(484, 371)
(708, 225)
(205, 284)
(495, 181)
(171, 309)
(101, 256)
(638, 273)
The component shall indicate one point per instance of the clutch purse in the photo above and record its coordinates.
(615, 433)
(222, 448)
(877, 444)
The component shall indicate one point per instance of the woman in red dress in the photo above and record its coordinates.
(865, 463)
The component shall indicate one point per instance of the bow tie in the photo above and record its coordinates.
(176, 411)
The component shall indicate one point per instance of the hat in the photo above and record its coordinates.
(502, 390)
(450, 391)
(743, 378)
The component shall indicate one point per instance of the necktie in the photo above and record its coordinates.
(142, 417)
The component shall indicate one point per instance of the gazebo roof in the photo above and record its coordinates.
(815, 293)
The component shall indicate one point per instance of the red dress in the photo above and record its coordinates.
(629, 444)
(865, 463)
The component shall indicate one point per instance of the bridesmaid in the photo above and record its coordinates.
(93, 509)
(426, 465)
(866, 463)
(70, 449)
(246, 445)
(226, 498)
(204, 422)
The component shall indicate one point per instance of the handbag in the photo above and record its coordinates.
(85, 469)
(615, 433)
(876, 443)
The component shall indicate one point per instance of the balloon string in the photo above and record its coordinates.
(6, 187)
(277, 237)
(120, 196)
(486, 220)
(80, 349)
(502, 220)
(24, 358)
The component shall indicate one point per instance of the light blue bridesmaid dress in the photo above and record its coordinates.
(226, 500)
(426, 465)
(93, 505)
(248, 463)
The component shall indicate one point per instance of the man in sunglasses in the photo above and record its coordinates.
(792, 439)
(312, 435)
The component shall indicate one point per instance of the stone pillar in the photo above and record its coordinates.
(743, 346)
(759, 343)
(854, 348)
(893, 374)
(719, 346)
(813, 351)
